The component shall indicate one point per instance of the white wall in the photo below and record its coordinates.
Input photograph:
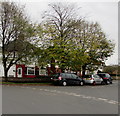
(1, 66)
(10, 72)
(1, 70)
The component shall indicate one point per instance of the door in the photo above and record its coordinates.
(97, 79)
(68, 78)
(19, 72)
(75, 79)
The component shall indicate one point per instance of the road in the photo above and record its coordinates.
(99, 99)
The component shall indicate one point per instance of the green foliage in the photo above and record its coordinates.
(61, 39)
(71, 42)
(16, 33)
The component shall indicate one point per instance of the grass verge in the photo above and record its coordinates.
(13, 83)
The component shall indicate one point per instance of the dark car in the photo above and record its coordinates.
(106, 78)
(66, 79)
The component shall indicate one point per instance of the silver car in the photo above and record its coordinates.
(92, 79)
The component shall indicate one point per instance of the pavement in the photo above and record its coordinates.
(99, 99)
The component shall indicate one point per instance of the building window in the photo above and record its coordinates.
(30, 71)
(42, 72)
(19, 71)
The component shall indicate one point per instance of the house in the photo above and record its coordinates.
(31, 71)
(25, 71)
(20, 70)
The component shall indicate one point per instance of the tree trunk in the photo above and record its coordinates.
(6, 75)
(62, 70)
(53, 66)
(83, 70)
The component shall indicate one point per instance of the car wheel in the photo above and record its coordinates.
(81, 83)
(107, 82)
(102, 83)
(64, 83)
(94, 83)
(110, 82)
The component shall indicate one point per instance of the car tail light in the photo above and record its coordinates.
(91, 78)
(60, 78)
(105, 78)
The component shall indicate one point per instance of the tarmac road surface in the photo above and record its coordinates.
(99, 99)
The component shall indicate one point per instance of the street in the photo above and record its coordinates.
(87, 99)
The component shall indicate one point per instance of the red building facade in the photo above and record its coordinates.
(23, 71)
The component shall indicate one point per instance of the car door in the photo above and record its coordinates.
(97, 79)
(76, 79)
(67, 78)
(71, 79)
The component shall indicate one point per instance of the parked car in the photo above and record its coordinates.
(66, 79)
(106, 78)
(92, 79)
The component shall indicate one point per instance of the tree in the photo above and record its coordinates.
(15, 32)
(58, 26)
(73, 42)
(93, 44)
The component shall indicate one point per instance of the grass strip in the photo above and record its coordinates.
(12, 83)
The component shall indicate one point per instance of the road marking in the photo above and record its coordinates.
(83, 96)
(113, 102)
(102, 99)
(77, 95)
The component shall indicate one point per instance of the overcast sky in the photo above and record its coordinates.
(105, 12)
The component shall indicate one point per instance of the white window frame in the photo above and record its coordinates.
(30, 69)
(42, 72)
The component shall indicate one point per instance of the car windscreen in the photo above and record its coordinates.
(87, 76)
(104, 75)
(96, 76)
(74, 76)
(107, 75)
(101, 75)
(56, 75)
(63, 75)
